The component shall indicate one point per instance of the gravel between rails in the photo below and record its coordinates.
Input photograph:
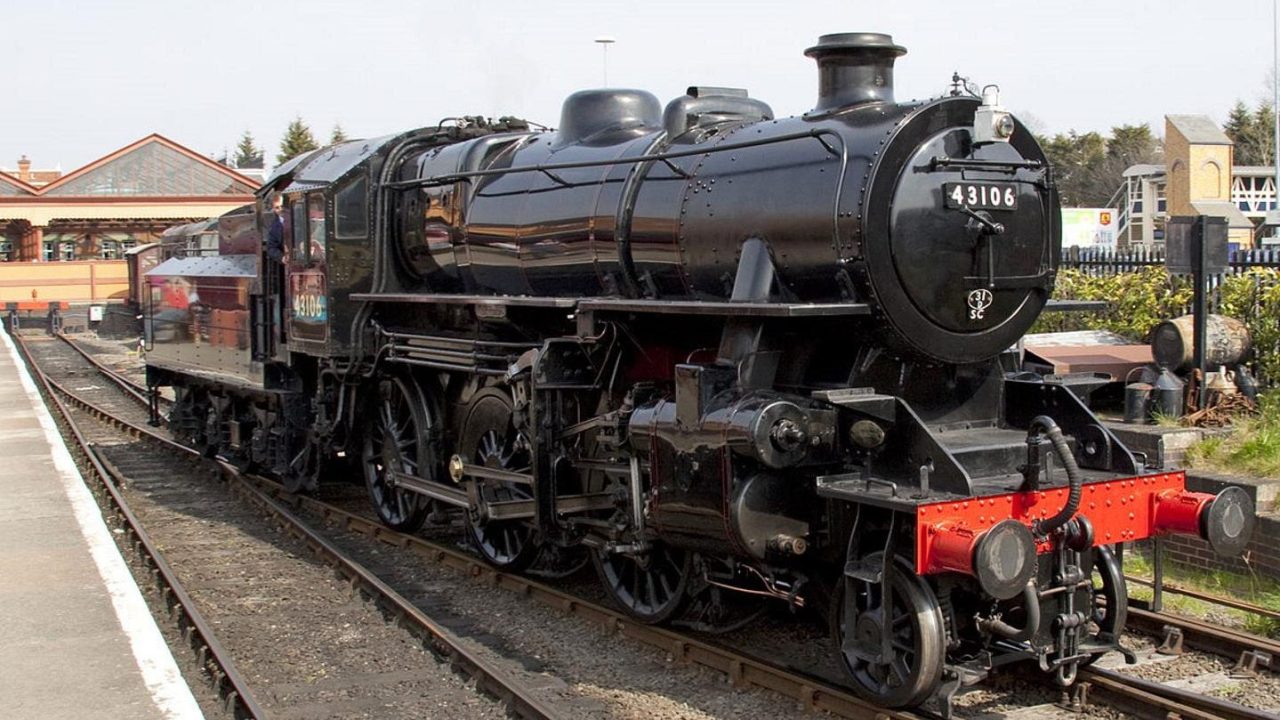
(1211, 674)
(309, 648)
(616, 677)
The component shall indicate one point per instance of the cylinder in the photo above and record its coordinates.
(1178, 511)
(1173, 344)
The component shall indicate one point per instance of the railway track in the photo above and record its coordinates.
(1138, 697)
(741, 670)
(312, 649)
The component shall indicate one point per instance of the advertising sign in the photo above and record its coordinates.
(1089, 227)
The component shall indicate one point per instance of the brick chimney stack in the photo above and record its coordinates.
(24, 169)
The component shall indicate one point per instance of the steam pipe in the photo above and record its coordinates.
(1031, 601)
(1075, 482)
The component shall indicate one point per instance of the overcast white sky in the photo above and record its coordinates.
(84, 78)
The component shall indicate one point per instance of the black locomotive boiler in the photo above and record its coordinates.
(735, 358)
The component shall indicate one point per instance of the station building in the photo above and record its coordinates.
(1198, 177)
(123, 199)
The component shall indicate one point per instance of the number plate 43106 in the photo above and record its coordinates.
(981, 196)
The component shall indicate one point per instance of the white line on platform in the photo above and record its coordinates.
(159, 671)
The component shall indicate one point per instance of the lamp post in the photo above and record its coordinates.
(605, 41)
(1274, 215)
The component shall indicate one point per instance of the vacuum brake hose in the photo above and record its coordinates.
(1051, 430)
(1031, 604)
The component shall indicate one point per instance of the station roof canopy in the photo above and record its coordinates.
(10, 186)
(151, 167)
(153, 177)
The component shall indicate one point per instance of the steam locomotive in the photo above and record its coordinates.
(736, 358)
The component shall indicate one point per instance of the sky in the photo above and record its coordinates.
(82, 79)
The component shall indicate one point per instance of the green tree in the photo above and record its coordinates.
(1072, 155)
(1089, 167)
(1239, 124)
(248, 154)
(296, 141)
(1252, 132)
(338, 135)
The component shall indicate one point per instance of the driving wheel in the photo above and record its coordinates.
(650, 586)
(398, 442)
(912, 668)
(489, 439)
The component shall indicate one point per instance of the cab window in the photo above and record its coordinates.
(350, 211)
(316, 225)
(299, 215)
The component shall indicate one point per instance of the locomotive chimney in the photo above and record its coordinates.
(854, 68)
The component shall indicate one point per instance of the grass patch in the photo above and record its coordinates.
(1263, 592)
(1252, 447)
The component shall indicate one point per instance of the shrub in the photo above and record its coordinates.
(1254, 297)
(1136, 302)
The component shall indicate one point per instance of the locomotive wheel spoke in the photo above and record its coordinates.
(917, 639)
(651, 591)
(489, 439)
(400, 430)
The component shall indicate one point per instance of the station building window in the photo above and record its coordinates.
(113, 245)
(6, 250)
(60, 246)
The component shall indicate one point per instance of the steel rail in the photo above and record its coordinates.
(494, 680)
(1134, 694)
(1207, 597)
(1153, 699)
(212, 657)
(133, 389)
(1201, 635)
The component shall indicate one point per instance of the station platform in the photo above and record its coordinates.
(76, 637)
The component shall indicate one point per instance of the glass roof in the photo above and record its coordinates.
(153, 169)
(8, 188)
